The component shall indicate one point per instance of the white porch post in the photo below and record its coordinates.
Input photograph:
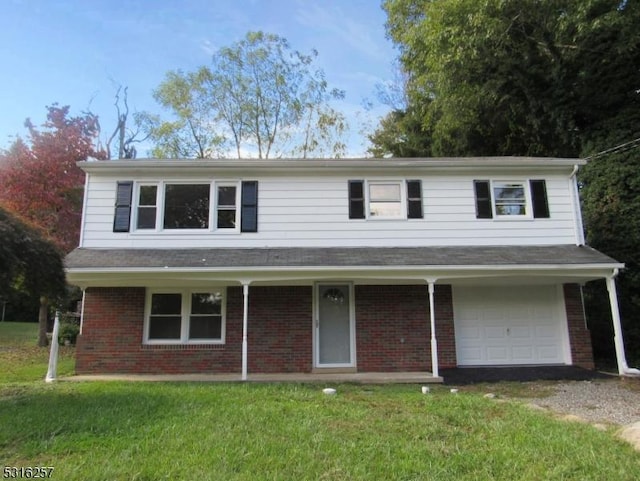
(53, 353)
(432, 319)
(623, 367)
(245, 320)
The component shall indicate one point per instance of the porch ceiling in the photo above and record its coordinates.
(559, 263)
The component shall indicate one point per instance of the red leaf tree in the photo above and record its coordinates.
(40, 179)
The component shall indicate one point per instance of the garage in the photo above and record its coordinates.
(510, 325)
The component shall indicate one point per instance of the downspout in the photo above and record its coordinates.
(84, 292)
(578, 227)
(623, 367)
(85, 196)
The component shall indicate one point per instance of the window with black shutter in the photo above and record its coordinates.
(539, 199)
(122, 216)
(483, 199)
(356, 199)
(414, 199)
(249, 207)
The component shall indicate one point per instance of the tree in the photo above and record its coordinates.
(40, 179)
(516, 77)
(258, 96)
(126, 136)
(30, 263)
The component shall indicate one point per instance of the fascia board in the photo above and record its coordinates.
(288, 166)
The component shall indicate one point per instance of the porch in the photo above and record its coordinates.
(422, 377)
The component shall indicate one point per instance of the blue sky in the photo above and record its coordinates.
(76, 52)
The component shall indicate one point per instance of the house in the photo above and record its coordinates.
(312, 266)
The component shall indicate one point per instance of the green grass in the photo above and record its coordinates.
(20, 357)
(185, 431)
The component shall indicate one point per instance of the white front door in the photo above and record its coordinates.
(334, 326)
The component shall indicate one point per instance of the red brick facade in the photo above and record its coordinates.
(393, 329)
(579, 335)
(392, 332)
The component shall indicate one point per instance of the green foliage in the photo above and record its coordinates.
(28, 262)
(258, 96)
(513, 77)
(68, 333)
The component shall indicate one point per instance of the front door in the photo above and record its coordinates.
(334, 328)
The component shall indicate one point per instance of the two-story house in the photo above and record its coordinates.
(355, 265)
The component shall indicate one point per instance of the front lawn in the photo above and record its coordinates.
(118, 431)
(186, 431)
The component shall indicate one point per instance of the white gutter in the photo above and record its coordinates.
(578, 227)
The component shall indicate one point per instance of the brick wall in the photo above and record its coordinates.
(393, 329)
(579, 335)
(279, 335)
(392, 332)
(112, 338)
(280, 329)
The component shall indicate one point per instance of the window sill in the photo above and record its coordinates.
(183, 347)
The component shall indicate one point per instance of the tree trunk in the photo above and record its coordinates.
(42, 322)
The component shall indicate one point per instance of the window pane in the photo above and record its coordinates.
(226, 219)
(146, 218)
(205, 327)
(186, 206)
(166, 304)
(385, 209)
(164, 327)
(384, 192)
(226, 196)
(148, 195)
(206, 303)
(509, 199)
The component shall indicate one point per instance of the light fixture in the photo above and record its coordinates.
(334, 295)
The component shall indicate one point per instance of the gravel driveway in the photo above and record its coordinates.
(615, 401)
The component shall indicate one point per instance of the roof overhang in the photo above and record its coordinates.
(454, 265)
(366, 166)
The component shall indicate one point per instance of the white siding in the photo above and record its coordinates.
(313, 211)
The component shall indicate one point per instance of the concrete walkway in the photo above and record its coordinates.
(359, 377)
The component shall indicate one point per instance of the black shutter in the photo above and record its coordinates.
(356, 199)
(483, 199)
(414, 199)
(539, 198)
(122, 217)
(249, 210)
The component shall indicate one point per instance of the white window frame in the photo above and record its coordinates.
(401, 183)
(136, 204)
(185, 316)
(528, 206)
(238, 186)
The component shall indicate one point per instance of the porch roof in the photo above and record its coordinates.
(149, 267)
(348, 257)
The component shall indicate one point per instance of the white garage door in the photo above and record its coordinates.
(509, 325)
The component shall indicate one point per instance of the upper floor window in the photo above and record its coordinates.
(186, 206)
(511, 199)
(385, 199)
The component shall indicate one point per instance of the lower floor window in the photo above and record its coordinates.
(185, 317)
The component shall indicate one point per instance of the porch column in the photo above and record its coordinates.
(245, 319)
(623, 367)
(432, 319)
